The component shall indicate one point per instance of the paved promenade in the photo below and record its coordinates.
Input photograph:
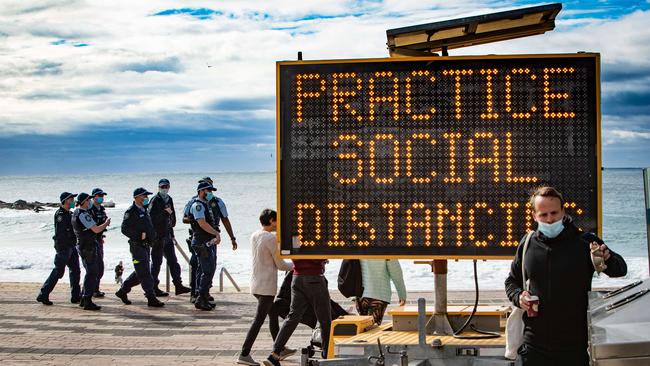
(63, 334)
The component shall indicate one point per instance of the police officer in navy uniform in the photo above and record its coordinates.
(204, 241)
(137, 226)
(86, 231)
(163, 217)
(220, 213)
(98, 212)
(66, 253)
(194, 261)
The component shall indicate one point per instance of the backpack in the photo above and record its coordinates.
(349, 280)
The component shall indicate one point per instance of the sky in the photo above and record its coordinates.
(179, 86)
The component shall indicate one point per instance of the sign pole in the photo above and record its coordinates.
(441, 324)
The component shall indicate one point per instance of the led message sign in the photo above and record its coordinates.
(432, 157)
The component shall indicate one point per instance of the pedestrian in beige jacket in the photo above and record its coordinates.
(264, 280)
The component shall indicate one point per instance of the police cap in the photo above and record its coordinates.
(82, 197)
(206, 179)
(65, 195)
(163, 182)
(98, 192)
(140, 191)
(205, 185)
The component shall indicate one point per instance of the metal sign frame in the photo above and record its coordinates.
(279, 146)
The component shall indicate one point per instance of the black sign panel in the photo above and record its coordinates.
(432, 157)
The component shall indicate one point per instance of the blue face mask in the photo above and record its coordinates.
(71, 205)
(99, 200)
(550, 230)
(146, 201)
(209, 196)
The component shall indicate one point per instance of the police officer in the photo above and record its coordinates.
(204, 241)
(163, 217)
(66, 253)
(86, 231)
(98, 212)
(220, 213)
(138, 228)
(194, 262)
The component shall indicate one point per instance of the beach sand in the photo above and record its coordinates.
(63, 334)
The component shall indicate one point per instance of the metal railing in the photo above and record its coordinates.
(187, 259)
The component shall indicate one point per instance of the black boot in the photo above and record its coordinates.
(122, 296)
(193, 299)
(160, 293)
(98, 294)
(211, 301)
(152, 301)
(75, 299)
(202, 303)
(82, 302)
(43, 299)
(180, 289)
(89, 304)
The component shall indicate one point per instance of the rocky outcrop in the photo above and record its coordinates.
(24, 205)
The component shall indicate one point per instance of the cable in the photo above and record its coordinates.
(485, 334)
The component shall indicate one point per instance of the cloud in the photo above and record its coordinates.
(198, 13)
(48, 68)
(242, 104)
(171, 64)
(155, 65)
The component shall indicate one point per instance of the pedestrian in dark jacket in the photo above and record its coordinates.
(559, 266)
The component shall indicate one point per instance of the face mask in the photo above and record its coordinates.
(164, 191)
(99, 200)
(550, 230)
(71, 204)
(209, 196)
(145, 202)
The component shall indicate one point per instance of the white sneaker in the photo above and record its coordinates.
(247, 360)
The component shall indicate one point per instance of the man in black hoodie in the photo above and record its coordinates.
(559, 268)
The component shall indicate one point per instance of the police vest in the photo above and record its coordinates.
(99, 215)
(64, 236)
(84, 236)
(216, 211)
(199, 234)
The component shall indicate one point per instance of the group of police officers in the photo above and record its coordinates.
(149, 227)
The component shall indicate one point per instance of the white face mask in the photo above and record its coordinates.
(164, 192)
(550, 230)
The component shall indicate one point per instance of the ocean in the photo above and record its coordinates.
(27, 253)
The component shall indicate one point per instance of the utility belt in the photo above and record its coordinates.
(87, 249)
(140, 243)
(203, 249)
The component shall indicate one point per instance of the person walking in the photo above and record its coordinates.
(138, 228)
(308, 289)
(264, 281)
(559, 267)
(66, 253)
(98, 212)
(163, 217)
(86, 231)
(376, 276)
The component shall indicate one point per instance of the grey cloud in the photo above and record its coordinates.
(45, 94)
(628, 103)
(38, 6)
(94, 90)
(624, 72)
(48, 68)
(170, 64)
(242, 104)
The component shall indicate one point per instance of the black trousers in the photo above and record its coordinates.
(532, 356)
(306, 292)
(264, 304)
